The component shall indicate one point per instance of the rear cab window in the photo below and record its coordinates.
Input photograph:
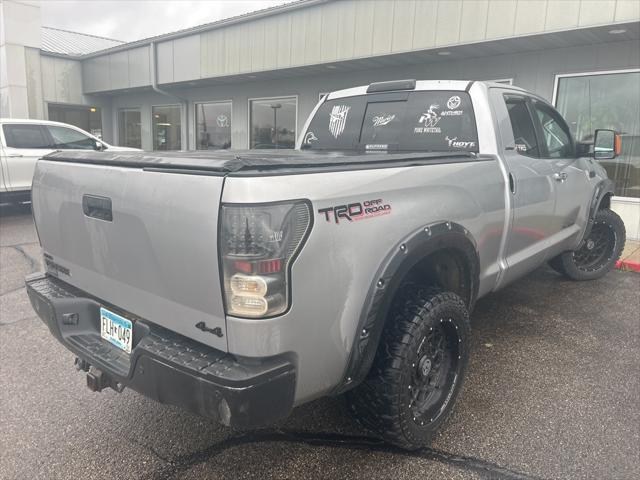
(433, 121)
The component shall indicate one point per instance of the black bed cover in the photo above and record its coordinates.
(225, 162)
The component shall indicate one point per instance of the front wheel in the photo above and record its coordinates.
(598, 253)
(418, 369)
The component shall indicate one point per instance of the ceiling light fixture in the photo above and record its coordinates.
(444, 53)
(331, 67)
(618, 31)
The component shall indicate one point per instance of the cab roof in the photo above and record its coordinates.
(460, 85)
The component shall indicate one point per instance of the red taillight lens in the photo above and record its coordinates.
(269, 266)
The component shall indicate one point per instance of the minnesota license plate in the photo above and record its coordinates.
(116, 329)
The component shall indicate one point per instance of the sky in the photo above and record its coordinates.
(135, 19)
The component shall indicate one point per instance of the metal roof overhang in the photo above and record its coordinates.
(523, 44)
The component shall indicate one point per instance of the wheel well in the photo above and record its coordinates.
(442, 255)
(447, 269)
(605, 202)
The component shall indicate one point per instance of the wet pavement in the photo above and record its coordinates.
(552, 391)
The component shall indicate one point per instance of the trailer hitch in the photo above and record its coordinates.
(97, 381)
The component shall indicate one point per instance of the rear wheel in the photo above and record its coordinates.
(418, 370)
(598, 253)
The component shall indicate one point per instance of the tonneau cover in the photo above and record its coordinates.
(229, 161)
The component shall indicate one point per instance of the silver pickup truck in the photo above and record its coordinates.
(241, 284)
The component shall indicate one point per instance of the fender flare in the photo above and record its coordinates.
(603, 188)
(393, 269)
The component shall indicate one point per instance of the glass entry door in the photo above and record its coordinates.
(608, 100)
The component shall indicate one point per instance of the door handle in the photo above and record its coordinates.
(13, 155)
(97, 207)
(512, 183)
(560, 177)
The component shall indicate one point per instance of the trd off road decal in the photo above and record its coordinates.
(338, 119)
(356, 211)
(429, 120)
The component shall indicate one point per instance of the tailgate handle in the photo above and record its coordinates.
(97, 207)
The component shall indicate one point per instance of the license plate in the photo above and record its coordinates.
(116, 329)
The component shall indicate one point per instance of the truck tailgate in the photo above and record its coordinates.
(154, 256)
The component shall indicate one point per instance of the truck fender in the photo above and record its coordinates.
(392, 271)
(604, 189)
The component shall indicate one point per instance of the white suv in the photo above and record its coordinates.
(23, 142)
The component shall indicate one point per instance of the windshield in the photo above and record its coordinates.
(395, 121)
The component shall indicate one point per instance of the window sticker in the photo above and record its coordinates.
(452, 104)
(338, 119)
(310, 137)
(376, 146)
(455, 143)
(382, 120)
(429, 120)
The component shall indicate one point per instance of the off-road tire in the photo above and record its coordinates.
(598, 253)
(385, 402)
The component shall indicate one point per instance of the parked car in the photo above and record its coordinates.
(241, 284)
(22, 142)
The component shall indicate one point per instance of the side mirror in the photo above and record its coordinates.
(607, 144)
(99, 146)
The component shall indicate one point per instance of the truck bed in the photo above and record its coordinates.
(226, 162)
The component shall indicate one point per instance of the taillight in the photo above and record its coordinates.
(258, 243)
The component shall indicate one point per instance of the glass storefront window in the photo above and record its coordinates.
(167, 127)
(129, 128)
(273, 123)
(612, 101)
(213, 126)
(87, 118)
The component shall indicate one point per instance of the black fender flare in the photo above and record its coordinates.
(393, 269)
(603, 188)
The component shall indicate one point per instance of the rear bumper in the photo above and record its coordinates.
(163, 365)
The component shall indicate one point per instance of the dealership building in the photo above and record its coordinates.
(251, 81)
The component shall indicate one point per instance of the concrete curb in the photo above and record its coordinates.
(628, 265)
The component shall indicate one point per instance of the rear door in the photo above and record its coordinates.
(531, 184)
(25, 143)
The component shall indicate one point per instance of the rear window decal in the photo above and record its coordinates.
(429, 120)
(455, 143)
(452, 104)
(382, 120)
(338, 119)
(310, 137)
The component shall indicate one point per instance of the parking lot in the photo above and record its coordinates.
(552, 391)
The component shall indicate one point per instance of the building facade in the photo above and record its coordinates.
(251, 81)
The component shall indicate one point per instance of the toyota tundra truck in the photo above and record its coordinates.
(241, 284)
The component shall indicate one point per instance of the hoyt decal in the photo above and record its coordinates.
(356, 211)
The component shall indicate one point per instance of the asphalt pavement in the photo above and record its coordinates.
(552, 391)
